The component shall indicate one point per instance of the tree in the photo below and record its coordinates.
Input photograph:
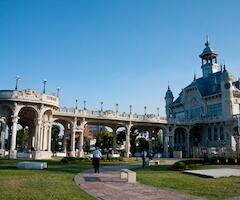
(104, 140)
(55, 133)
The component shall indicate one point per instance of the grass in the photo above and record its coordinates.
(56, 182)
(165, 177)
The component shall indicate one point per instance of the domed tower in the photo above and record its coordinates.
(169, 100)
(209, 60)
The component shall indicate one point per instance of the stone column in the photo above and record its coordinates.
(13, 152)
(80, 144)
(49, 137)
(128, 145)
(165, 146)
(38, 135)
(150, 140)
(187, 143)
(114, 147)
(65, 141)
(72, 148)
(3, 132)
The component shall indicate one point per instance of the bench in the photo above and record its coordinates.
(129, 175)
(153, 162)
(32, 165)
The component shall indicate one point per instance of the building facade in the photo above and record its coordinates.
(208, 108)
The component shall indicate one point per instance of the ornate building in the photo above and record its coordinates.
(209, 105)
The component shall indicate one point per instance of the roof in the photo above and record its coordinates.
(207, 86)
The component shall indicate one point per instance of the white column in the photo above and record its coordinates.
(165, 146)
(13, 152)
(80, 143)
(49, 135)
(187, 140)
(128, 145)
(3, 132)
(38, 135)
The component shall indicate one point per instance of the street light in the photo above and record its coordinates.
(76, 104)
(17, 79)
(44, 86)
(84, 104)
(157, 111)
(116, 107)
(58, 90)
(101, 106)
(130, 108)
(145, 110)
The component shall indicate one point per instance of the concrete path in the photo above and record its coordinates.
(108, 186)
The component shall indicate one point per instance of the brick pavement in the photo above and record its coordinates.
(108, 186)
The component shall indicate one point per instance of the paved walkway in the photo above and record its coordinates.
(108, 186)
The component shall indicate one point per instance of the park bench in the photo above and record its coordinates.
(153, 162)
(129, 175)
(32, 165)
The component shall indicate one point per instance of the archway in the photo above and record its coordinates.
(26, 139)
(180, 147)
(197, 147)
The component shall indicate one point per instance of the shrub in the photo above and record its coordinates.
(231, 160)
(179, 166)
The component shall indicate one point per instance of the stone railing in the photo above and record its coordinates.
(29, 95)
(109, 114)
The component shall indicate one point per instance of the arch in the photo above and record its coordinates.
(179, 141)
(197, 141)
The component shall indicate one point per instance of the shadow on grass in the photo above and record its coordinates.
(162, 168)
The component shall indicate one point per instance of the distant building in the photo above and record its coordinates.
(208, 106)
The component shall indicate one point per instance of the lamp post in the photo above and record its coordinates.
(101, 106)
(145, 110)
(130, 109)
(76, 104)
(84, 104)
(116, 107)
(44, 86)
(58, 90)
(157, 111)
(17, 80)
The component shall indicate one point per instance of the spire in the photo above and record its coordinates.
(224, 66)
(194, 77)
(207, 44)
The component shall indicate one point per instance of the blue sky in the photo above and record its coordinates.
(121, 51)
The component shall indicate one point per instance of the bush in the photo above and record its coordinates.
(179, 166)
(231, 160)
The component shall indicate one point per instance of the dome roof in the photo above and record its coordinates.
(207, 50)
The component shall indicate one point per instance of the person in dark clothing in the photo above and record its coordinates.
(96, 160)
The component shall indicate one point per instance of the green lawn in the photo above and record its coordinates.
(165, 177)
(54, 183)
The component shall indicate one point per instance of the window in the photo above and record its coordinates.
(214, 110)
(209, 134)
(180, 115)
(196, 113)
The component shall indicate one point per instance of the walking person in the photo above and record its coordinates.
(96, 159)
(144, 155)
